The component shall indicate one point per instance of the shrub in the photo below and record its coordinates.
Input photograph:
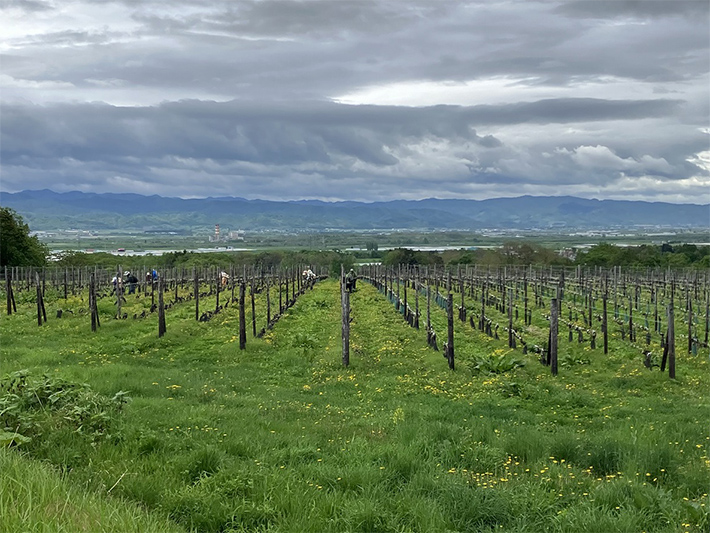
(34, 408)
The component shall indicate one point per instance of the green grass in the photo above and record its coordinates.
(33, 497)
(281, 437)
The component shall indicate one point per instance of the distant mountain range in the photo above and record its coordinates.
(47, 210)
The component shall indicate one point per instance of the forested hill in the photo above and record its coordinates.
(48, 210)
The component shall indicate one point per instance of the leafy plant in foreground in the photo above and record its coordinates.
(496, 363)
(32, 408)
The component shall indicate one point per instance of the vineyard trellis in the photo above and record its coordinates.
(172, 286)
(652, 310)
(495, 297)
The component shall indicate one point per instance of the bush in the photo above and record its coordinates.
(34, 408)
(496, 363)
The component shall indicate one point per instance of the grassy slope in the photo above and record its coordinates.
(34, 498)
(281, 437)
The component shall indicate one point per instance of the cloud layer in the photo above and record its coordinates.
(377, 100)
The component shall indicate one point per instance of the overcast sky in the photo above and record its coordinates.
(357, 100)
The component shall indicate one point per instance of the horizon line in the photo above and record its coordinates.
(356, 201)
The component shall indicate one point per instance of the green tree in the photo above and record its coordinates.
(406, 256)
(17, 247)
(602, 254)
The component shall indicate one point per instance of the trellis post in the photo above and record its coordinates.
(242, 317)
(554, 311)
(345, 308)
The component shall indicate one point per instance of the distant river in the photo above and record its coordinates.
(158, 252)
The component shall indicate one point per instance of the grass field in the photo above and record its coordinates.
(281, 437)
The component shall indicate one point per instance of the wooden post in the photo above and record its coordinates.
(399, 282)
(450, 321)
(268, 301)
(554, 311)
(9, 294)
(161, 308)
(345, 304)
(670, 340)
(707, 317)
(690, 324)
(482, 320)
(510, 318)
(391, 293)
(196, 286)
(501, 287)
(119, 291)
(297, 279)
(253, 307)
(242, 316)
(525, 297)
(231, 280)
(406, 282)
(605, 326)
(462, 313)
(92, 302)
(218, 285)
(40, 305)
(616, 290)
(428, 304)
(591, 304)
(44, 311)
(416, 298)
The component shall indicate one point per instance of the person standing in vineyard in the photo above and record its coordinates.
(132, 282)
(117, 284)
(350, 281)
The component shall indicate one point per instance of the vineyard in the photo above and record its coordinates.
(467, 399)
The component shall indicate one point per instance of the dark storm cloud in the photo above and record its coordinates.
(274, 133)
(279, 133)
(239, 97)
(229, 145)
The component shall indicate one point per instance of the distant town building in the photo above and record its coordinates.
(220, 236)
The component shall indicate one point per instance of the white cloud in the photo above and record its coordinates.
(601, 157)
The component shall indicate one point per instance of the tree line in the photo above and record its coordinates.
(525, 253)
